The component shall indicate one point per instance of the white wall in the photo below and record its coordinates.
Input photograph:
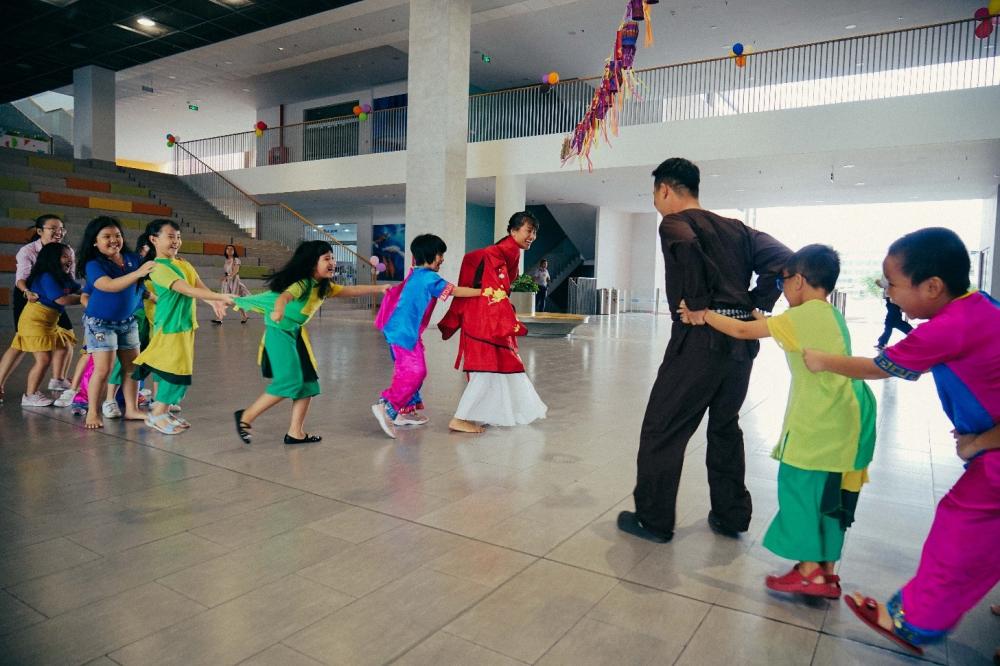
(990, 242)
(612, 265)
(951, 117)
(646, 260)
(579, 221)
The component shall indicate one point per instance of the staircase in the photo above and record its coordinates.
(80, 190)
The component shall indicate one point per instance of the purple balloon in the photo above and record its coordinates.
(381, 267)
(366, 108)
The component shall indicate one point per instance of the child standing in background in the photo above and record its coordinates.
(296, 293)
(403, 328)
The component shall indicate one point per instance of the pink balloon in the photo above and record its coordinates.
(984, 29)
(373, 261)
(981, 13)
(380, 268)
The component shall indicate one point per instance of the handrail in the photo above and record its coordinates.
(279, 204)
(895, 63)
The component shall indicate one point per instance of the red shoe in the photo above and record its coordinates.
(795, 583)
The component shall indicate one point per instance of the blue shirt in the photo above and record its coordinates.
(49, 289)
(407, 321)
(108, 305)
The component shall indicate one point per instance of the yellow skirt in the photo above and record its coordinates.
(38, 330)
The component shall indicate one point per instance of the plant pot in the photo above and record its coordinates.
(523, 302)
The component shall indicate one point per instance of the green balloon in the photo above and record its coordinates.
(362, 116)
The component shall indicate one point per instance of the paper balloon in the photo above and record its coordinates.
(380, 268)
(170, 137)
(741, 61)
(362, 116)
(981, 13)
(366, 108)
(373, 261)
(552, 78)
(994, 7)
(259, 132)
(738, 48)
(356, 110)
(984, 29)
(261, 125)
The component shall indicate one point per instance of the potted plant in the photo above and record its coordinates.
(522, 295)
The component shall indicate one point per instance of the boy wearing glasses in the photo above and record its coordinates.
(828, 436)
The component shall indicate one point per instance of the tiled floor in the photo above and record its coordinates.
(130, 547)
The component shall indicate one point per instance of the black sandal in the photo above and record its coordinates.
(308, 439)
(242, 428)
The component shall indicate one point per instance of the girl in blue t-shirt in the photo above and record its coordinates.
(38, 329)
(114, 277)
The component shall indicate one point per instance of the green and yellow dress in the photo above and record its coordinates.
(285, 355)
(170, 354)
(827, 440)
(143, 318)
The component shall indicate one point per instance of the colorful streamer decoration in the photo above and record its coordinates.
(618, 83)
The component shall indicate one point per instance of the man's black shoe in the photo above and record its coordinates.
(629, 522)
(721, 528)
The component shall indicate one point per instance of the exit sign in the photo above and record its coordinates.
(192, 107)
(486, 58)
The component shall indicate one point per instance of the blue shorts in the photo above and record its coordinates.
(101, 335)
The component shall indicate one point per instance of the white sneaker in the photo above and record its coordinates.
(410, 419)
(59, 384)
(382, 416)
(111, 410)
(65, 398)
(36, 400)
(146, 392)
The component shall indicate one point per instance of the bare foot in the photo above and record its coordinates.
(94, 421)
(461, 425)
(884, 620)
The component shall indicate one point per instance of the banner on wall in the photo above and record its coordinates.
(388, 243)
(22, 143)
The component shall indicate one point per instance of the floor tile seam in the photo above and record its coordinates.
(9, 586)
(717, 604)
(881, 646)
(483, 647)
(583, 616)
(694, 633)
(208, 609)
(11, 632)
(8, 551)
(273, 645)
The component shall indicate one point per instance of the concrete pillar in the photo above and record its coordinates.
(437, 124)
(94, 113)
(989, 246)
(511, 197)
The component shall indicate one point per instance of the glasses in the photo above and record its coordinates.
(780, 282)
(55, 230)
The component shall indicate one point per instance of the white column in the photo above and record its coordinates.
(613, 251)
(94, 113)
(437, 123)
(989, 245)
(511, 197)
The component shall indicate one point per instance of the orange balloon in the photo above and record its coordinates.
(553, 78)
(741, 61)
(356, 110)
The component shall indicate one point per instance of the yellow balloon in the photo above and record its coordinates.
(259, 132)
(994, 7)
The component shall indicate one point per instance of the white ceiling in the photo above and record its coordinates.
(229, 81)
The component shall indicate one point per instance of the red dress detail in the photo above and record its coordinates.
(488, 324)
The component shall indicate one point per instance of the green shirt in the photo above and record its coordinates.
(305, 302)
(830, 419)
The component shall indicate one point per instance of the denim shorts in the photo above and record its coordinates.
(103, 335)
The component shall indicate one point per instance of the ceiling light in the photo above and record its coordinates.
(171, 77)
(847, 166)
(77, 45)
(336, 224)
(145, 22)
(713, 175)
(228, 62)
(246, 90)
(859, 184)
(59, 3)
(714, 27)
(850, 27)
(281, 48)
(232, 4)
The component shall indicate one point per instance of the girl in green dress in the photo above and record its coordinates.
(296, 292)
(169, 358)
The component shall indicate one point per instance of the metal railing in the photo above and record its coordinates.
(275, 222)
(928, 59)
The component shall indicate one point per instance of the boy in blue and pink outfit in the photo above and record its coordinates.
(403, 316)
(928, 277)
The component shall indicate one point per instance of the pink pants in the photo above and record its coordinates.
(408, 373)
(960, 562)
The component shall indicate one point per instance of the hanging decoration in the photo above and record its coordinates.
(739, 53)
(171, 140)
(361, 111)
(259, 127)
(550, 78)
(619, 82)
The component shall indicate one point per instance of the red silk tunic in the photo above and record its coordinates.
(489, 326)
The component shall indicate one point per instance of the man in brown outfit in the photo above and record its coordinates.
(709, 261)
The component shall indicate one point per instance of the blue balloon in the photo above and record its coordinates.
(738, 48)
